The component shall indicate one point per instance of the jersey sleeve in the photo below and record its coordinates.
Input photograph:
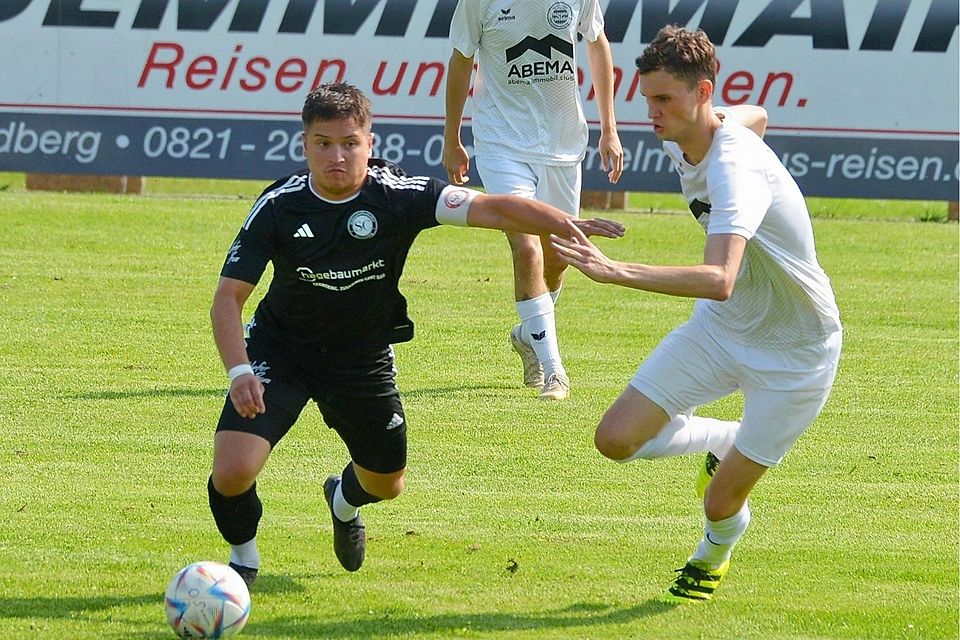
(254, 245)
(740, 193)
(419, 202)
(466, 26)
(591, 20)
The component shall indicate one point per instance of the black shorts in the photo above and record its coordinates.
(356, 393)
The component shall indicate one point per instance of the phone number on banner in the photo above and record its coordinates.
(261, 149)
(279, 145)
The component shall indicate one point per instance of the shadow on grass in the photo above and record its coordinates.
(52, 608)
(387, 625)
(439, 392)
(443, 625)
(221, 392)
(148, 393)
(71, 607)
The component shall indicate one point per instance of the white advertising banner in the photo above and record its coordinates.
(862, 94)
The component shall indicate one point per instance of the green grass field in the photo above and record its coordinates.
(512, 526)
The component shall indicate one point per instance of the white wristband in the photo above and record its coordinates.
(239, 370)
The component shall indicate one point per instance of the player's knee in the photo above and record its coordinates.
(234, 477)
(230, 486)
(613, 443)
(526, 249)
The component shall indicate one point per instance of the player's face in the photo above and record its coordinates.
(337, 152)
(672, 106)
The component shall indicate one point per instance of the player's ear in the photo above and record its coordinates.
(704, 90)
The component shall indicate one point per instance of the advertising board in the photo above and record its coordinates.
(862, 95)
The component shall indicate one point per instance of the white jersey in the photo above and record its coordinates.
(782, 297)
(526, 101)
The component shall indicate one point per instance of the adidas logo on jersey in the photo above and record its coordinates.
(303, 232)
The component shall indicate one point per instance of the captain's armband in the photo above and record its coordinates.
(453, 204)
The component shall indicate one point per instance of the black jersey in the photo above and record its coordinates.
(336, 265)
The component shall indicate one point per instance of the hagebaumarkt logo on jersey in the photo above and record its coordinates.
(362, 225)
(560, 15)
(343, 279)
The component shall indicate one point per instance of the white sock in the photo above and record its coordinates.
(246, 554)
(720, 537)
(538, 328)
(555, 294)
(344, 511)
(721, 447)
(689, 434)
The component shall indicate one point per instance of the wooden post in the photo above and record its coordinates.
(69, 182)
(953, 210)
(603, 200)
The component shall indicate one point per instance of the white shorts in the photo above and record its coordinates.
(784, 390)
(558, 186)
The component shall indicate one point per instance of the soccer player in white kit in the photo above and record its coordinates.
(765, 321)
(530, 136)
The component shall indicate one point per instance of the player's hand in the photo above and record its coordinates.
(611, 156)
(246, 393)
(599, 227)
(457, 163)
(579, 252)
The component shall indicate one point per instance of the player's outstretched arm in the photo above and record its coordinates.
(714, 279)
(512, 213)
(246, 391)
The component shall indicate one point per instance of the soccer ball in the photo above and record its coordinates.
(207, 600)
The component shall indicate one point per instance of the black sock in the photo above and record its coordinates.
(353, 493)
(237, 517)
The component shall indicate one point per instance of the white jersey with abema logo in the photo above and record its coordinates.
(526, 101)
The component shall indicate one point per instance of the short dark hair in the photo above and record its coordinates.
(688, 55)
(336, 101)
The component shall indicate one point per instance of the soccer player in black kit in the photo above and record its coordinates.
(338, 234)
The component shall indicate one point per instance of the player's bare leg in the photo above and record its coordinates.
(536, 310)
(238, 458)
(553, 268)
(635, 427)
(727, 518)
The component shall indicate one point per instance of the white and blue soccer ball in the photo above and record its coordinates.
(207, 600)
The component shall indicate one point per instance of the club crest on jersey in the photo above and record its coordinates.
(362, 225)
(560, 15)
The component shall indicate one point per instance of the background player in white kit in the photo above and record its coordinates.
(765, 322)
(530, 137)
